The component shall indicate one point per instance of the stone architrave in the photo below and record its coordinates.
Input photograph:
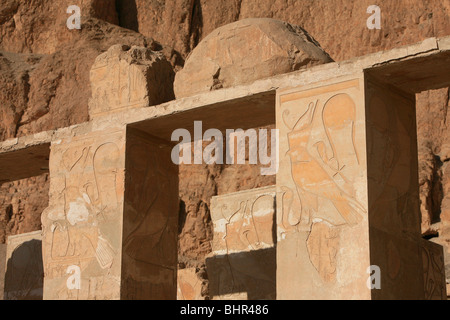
(24, 276)
(2, 269)
(242, 265)
(124, 77)
(110, 235)
(189, 286)
(347, 192)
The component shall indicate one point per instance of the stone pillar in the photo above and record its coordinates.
(243, 262)
(347, 192)
(105, 231)
(150, 220)
(24, 270)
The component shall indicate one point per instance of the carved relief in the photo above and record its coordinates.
(322, 158)
(322, 169)
(433, 271)
(84, 207)
(125, 77)
(243, 244)
(323, 245)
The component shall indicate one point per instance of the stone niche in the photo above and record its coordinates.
(243, 260)
(347, 195)
(24, 276)
(124, 78)
(112, 216)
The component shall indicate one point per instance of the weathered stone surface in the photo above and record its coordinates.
(111, 215)
(242, 264)
(346, 176)
(125, 77)
(24, 277)
(39, 27)
(321, 192)
(82, 225)
(22, 205)
(434, 274)
(150, 220)
(189, 285)
(244, 51)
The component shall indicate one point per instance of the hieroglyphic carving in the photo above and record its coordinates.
(324, 164)
(24, 270)
(125, 77)
(433, 271)
(82, 223)
(321, 188)
(323, 245)
(243, 236)
(116, 83)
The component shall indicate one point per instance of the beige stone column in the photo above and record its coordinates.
(347, 192)
(110, 219)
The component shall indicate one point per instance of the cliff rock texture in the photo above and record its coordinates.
(44, 84)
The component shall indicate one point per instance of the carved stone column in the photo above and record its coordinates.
(347, 192)
(110, 221)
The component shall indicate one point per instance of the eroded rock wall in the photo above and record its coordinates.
(44, 84)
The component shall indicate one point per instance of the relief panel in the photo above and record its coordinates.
(321, 192)
(82, 225)
(242, 265)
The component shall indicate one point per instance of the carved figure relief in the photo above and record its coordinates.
(323, 161)
(84, 201)
(433, 273)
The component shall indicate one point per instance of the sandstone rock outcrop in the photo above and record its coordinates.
(245, 51)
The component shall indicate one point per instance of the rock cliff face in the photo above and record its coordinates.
(44, 84)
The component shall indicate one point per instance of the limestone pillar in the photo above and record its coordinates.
(347, 192)
(109, 231)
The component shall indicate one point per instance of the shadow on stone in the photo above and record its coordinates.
(243, 276)
(24, 278)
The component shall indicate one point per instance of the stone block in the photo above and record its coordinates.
(242, 264)
(112, 218)
(124, 77)
(244, 51)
